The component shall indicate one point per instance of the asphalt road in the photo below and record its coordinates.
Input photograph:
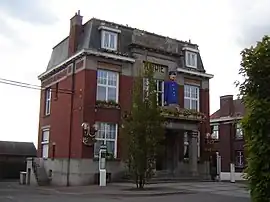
(13, 192)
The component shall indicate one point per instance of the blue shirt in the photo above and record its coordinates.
(170, 92)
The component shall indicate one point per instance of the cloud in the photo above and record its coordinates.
(251, 21)
(33, 11)
(10, 33)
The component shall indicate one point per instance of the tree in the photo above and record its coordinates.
(143, 129)
(255, 93)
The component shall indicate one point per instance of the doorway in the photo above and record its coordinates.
(166, 158)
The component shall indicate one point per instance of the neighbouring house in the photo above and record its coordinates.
(13, 158)
(89, 79)
(228, 135)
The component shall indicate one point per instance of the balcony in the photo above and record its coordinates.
(175, 113)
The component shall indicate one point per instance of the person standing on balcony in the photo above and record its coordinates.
(171, 90)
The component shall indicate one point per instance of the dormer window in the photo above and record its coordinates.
(191, 59)
(109, 40)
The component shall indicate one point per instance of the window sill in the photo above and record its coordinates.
(108, 107)
(46, 115)
(193, 67)
(109, 49)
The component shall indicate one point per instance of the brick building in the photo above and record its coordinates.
(228, 135)
(89, 79)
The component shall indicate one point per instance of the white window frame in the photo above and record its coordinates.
(239, 159)
(103, 32)
(188, 58)
(105, 138)
(145, 84)
(108, 86)
(45, 142)
(239, 132)
(215, 132)
(190, 98)
(48, 101)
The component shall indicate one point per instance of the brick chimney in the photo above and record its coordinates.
(74, 33)
(226, 105)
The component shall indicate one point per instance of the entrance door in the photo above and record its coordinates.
(161, 156)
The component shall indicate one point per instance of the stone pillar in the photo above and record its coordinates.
(193, 152)
(176, 153)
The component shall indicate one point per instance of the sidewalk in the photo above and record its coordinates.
(121, 189)
(129, 189)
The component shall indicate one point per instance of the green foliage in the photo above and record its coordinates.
(107, 104)
(142, 130)
(255, 92)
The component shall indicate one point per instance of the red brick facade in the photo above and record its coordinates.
(84, 110)
(69, 111)
(226, 118)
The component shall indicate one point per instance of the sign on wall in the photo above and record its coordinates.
(160, 71)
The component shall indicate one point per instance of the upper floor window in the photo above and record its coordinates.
(106, 135)
(107, 85)
(48, 97)
(239, 132)
(191, 59)
(215, 132)
(239, 159)
(109, 40)
(191, 97)
(45, 143)
(159, 90)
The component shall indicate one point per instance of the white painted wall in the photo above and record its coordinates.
(225, 176)
(82, 171)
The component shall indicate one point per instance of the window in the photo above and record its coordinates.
(107, 85)
(239, 159)
(239, 132)
(215, 132)
(109, 40)
(48, 96)
(106, 135)
(191, 59)
(45, 143)
(159, 90)
(191, 97)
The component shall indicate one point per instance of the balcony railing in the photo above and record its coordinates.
(181, 113)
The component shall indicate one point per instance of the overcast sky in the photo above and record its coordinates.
(30, 28)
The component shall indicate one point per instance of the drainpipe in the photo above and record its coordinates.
(71, 121)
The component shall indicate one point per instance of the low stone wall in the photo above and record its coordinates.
(82, 171)
(226, 176)
(184, 169)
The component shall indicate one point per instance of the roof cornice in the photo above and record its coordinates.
(195, 73)
(227, 118)
(87, 52)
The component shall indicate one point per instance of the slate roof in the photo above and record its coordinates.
(239, 110)
(90, 38)
(27, 149)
